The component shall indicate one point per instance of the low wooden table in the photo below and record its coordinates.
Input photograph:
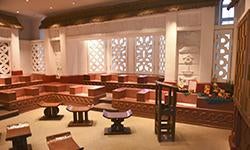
(17, 133)
(78, 116)
(117, 118)
(62, 141)
(51, 110)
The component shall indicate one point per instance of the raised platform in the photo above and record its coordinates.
(144, 105)
(24, 100)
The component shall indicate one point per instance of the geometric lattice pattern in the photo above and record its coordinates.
(4, 58)
(119, 54)
(222, 54)
(96, 55)
(144, 54)
(38, 60)
(162, 54)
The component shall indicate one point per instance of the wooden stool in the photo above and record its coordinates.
(51, 110)
(78, 116)
(117, 118)
(62, 141)
(17, 133)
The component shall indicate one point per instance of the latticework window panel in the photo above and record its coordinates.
(222, 54)
(96, 55)
(4, 58)
(38, 60)
(144, 54)
(162, 54)
(119, 54)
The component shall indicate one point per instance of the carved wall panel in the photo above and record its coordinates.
(38, 58)
(188, 46)
(119, 54)
(57, 53)
(96, 55)
(4, 58)
(144, 54)
(162, 55)
(222, 54)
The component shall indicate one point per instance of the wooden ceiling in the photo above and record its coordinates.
(123, 10)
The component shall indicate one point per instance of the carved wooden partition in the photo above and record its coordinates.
(239, 140)
(165, 111)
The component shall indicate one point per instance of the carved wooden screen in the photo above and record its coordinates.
(222, 54)
(38, 60)
(119, 54)
(242, 76)
(4, 58)
(96, 55)
(241, 131)
(162, 56)
(144, 54)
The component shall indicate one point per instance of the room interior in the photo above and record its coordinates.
(173, 73)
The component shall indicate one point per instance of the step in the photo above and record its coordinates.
(1, 106)
(104, 106)
(4, 114)
(107, 99)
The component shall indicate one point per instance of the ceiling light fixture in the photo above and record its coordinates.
(27, 1)
(50, 7)
(73, 2)
(17, 11)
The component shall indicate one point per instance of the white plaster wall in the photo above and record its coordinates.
(26, 56)
(75, 59)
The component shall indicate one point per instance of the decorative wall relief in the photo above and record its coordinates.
(188, 45)
(4, 58)
(119, 54)
(144, 54)
(57, 52)
(38, 59)
(222, 54)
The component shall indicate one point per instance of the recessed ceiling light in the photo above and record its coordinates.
(27, 0)
(73, 2)
(50, 7)
(17, 11)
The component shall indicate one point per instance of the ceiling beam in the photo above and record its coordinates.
(124, 10)
(9, 21)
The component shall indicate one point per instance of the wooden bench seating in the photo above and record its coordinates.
(141, 95)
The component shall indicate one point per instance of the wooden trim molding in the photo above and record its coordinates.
(9, 21)
(123, 10)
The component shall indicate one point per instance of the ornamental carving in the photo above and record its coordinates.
(4, 58)
(119, 54)
(162, 54)
(96, 55)
(38, 59)
(144, 54)
(188, 44)
(222, 54)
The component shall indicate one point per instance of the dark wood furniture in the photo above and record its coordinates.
(78, 115)
(62, 141)
(142, 79)
(239, 139)
(117, 118)
(122, 78)
(17, 133)
(165, 112)
(51, 110)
